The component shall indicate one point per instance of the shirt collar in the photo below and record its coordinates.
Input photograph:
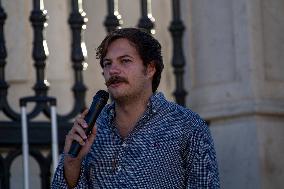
(154, 104)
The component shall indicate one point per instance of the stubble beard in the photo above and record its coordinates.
(129, 95)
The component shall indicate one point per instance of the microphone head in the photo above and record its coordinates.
(102, 94)
(99, 101)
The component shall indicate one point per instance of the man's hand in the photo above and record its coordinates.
(72, 165)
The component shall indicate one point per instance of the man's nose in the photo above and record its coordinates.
(114, 69)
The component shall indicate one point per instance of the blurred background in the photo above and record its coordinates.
(224, 59)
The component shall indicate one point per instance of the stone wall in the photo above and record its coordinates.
(236, 82)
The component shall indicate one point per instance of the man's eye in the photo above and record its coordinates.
(125, 60)
(106, 64)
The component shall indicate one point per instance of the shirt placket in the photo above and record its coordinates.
(122, 145)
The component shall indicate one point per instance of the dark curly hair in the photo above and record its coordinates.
(147, 46)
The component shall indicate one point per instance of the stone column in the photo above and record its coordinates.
(235, 55)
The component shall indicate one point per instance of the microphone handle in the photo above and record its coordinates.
(99, 101)
(74, 149)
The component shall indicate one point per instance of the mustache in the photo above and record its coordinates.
(115, 79)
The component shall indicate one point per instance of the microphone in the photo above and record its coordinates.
(99, 101)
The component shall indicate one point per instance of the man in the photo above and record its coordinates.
(140, 140)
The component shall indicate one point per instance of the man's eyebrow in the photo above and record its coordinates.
(125, 56)
(106, 59)
(120, 57)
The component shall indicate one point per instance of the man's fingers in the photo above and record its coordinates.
(76, 133)
(94, 130)
(90, 140)
(79, 139)
(79, 130)
(84, 113)
(76, 137)
(92, 137)
(80, 121)
(68, 141)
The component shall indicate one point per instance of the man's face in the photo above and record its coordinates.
(125, 75)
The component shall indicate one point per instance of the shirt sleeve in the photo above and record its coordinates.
(59, 181)
(201, 161)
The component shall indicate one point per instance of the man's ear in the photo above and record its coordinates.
(151, 69)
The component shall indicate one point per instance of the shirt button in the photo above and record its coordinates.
(119, 168)
(124, 144)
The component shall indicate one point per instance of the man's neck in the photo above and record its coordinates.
(128, 113)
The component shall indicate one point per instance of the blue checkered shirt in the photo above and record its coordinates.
(170, 147)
